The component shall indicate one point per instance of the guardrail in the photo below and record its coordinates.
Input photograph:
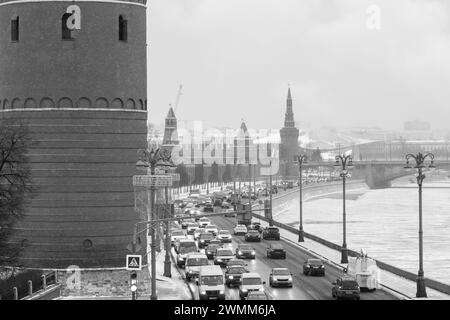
(433, 284)
(35, 285)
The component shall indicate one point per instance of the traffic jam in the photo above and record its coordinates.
(232, 257)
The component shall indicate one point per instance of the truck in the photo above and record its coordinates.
(365, 271)
(243, 214)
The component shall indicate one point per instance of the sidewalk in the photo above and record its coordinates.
(388, 279)
(173, 288)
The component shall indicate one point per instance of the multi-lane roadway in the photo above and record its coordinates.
(304, 287)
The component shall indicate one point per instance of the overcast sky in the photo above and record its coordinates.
(235, 59)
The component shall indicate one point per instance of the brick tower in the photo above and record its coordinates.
(75, 72)
(289, 140)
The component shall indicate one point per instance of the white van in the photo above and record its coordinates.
(193, 263)
(211, 283)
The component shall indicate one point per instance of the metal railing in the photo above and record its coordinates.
(27, 288)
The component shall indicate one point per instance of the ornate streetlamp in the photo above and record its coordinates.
(420, 159)
(301, 159)
(344, 162)
(150, 160)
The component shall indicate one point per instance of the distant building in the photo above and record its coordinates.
(417, 125)
(289, 146)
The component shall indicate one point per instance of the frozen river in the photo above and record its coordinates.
(384, 222)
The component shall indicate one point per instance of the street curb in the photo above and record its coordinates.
(182, 275)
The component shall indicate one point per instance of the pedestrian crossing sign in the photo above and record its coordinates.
(134, 262)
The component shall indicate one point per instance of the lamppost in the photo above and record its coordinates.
(420, 159)
(301, 159)
(151, 159)
(344, 162)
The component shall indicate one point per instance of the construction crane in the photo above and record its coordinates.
(177, 100)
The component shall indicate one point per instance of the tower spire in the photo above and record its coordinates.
(289, 115)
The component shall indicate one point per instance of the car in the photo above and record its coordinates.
(193, 263)
(197, 232)
(217, 203)
(224, 235)
(257, 295)
(216, 241)
(250, 281)
(280, 277)
(223, 255)
(313, 267)
(255, 226)
(204, 239)
(184, 247)
(203, 222)
(212, 228)
(230, 213)
(233, 275)
(191, 226)
(208, 207)
(345, 287)
(195, 213)
(225, 205)
(245, 251)
(194, 193)
(176, 235)
(240, 229)
(276, 250)
(271, 233)
(210, 250)
(236, 262)
(185, 222)
(253, 235)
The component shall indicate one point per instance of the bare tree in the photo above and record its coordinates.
(15, 183)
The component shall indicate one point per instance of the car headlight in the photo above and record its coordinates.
(221, 292)
(322, 266)
(203, 292)
(202, 240)
(261, 289)
(290, 279)
(239, 252)
(253, 252)
(180, 258)
(244, 290)
(230, 277)
(219, 259)
(308, 266)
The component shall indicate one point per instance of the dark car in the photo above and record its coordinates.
(225, 205)
(271, 233)
(211, 249)
(245, 251)
(223, 255)
(253, 235)
(256, 226)
(204, 239)
(276, 250)
(345, 287)
(233, 275)
(313, 267)
(208, 207)
(217, 203)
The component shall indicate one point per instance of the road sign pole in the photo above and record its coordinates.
(153, 245)
(167, 264)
